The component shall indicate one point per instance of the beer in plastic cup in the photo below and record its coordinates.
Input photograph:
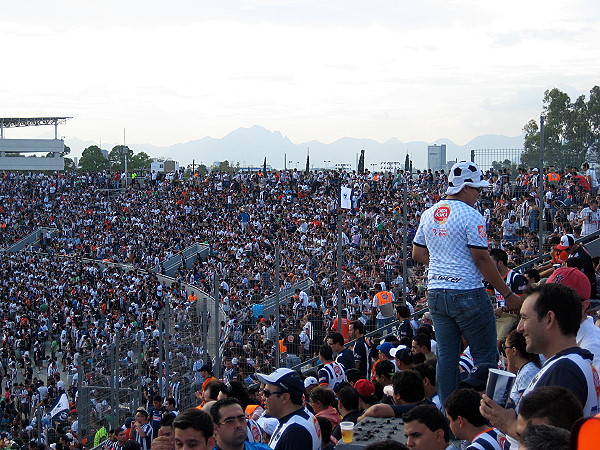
(347, 431)
(499, 385)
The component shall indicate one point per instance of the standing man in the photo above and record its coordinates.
(298, 429)
(505, 321)
(142, 432)
(362, 358)
(590, 218)
(451, 240)
(332, 373)
(344, 356)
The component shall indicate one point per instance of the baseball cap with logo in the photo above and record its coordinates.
(566, 241)
(287, 379)
(464, 173)
(574, 278)
(310, 381)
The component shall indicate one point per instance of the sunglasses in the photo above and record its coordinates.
(268, 393)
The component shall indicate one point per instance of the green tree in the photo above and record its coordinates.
(70, 164)
(93, 160)
(116, 157)
(593, 111)
(140, 161)
(224, 166)
(571, 130)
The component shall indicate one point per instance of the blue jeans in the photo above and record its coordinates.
(383, 322)
(466, 312)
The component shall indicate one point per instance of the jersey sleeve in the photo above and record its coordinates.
(475, 231)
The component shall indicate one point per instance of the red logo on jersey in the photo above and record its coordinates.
(481, 231)
(290, 338)
(441, 214)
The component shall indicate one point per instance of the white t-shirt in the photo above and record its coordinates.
(449, 229)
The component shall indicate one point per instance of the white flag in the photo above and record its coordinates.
(345, 201)
(61, 405)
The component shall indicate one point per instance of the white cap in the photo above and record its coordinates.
(464, 173)
(310, 381)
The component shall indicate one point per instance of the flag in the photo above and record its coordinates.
(62, 405)
(345, 201)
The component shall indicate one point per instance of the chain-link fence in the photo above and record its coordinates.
(119, 377)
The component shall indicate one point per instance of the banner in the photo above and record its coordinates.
(345, 201)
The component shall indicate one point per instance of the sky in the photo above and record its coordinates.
(170, 72)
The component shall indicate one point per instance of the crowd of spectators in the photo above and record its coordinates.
(55, 306)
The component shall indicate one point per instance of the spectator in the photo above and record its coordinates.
(348, 406)
(519, 361)
(345, 357)
(231, 425)
(426, 428)
(467, 423)
(322, 401)
(545, 437)
(194, 429)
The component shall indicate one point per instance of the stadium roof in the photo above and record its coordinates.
(13, 122)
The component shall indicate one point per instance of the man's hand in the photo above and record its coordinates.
(162, 443)
(513, 303)
(503, 419)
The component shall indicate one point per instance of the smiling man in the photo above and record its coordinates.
(550, 319)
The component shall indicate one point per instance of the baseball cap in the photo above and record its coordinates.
(427, 316)
(566, 241)
(385, 348)
(364, 387)
(395, 350)
(574, 278)
(268, 424)
(287, 379)
(464, 173)
(310, 381)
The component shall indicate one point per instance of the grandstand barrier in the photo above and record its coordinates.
(33, 238)
(270, 303)
(190, 254)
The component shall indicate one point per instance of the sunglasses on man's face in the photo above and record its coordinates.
(268, 393)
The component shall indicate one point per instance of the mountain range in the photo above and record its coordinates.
(249, 147)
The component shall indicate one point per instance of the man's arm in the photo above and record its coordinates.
(378, 410)
(420, 254)
(489, 271)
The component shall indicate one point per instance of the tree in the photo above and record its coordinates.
(93, 160)
(140, 161)
(116, 157)
(571, 130)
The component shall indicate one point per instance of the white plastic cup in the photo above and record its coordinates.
(347, 431)
(499, 385)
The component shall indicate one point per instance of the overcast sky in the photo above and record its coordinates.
(176, 71)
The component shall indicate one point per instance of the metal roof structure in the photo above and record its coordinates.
(13, 122)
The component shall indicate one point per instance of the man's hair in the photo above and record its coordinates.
(386, 368)
(555, 403)
(196, 419)
(499, 255)
(353, 375)
(348, 398)
(326, 352)
(534, 274)
(465, 403)
(215, 410)
(358, 326)
(143, 412)
(388, 444)
(403, 311)
(409, 386)
(563, 301)
(422, 340)
(429, 416)
(167, 420)
(323, 395)
(213, 388)
(545, 437)
(157, 398)
(336, 338)
(426, 370)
